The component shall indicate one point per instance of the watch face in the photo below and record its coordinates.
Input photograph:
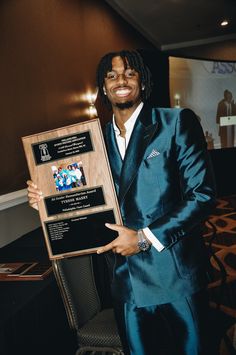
(143, 245)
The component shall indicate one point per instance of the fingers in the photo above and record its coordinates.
(31, 183)
(115, 227)
(106, 248)
(34, 194)
(111, 246)
(33, 204)
(125, 244)
(33, 190)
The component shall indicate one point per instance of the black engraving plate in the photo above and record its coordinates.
(79, 233)
(74, 201)
(63, 147)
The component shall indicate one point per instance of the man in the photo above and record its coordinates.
(164, 184)
(226, 107)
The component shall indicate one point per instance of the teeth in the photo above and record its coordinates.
(122, 92)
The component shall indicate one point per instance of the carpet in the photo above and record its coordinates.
(220, 238)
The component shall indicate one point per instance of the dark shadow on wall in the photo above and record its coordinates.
(158, 64)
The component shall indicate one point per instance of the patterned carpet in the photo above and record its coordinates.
(220, 237)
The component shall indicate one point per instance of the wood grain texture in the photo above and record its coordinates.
(96, 171)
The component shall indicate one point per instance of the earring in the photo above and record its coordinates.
(104, 91)
(143, 87)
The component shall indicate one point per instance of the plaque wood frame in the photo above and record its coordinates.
(73, 218)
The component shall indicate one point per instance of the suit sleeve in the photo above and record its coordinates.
(196, 181)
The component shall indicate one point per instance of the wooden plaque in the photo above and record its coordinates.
(70, 166)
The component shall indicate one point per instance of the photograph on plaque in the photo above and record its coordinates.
(70, 166)
(68, 176)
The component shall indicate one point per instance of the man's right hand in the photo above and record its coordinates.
(34, 194)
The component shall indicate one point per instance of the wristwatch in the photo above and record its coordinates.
(143, 242)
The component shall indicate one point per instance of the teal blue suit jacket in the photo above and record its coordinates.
(165, 183)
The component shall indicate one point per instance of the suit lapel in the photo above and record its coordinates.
(143, 131)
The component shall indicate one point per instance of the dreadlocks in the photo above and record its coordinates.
(135, 61)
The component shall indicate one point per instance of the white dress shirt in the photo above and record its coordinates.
(122, 143)
(228, 108)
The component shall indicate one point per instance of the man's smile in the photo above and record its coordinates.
(122, 91)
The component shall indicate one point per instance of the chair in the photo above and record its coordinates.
(95, 327)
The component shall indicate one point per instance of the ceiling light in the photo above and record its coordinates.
(224, 23)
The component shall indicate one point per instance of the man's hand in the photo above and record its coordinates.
(125, 244)
(34, 194)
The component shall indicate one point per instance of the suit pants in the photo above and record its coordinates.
(179, 328)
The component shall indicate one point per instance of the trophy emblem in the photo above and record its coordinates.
(44, 153)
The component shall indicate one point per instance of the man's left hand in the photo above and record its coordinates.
(125, 244)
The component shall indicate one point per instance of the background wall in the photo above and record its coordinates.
(17, 221)
(49, 52)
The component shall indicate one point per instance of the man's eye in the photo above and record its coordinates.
(111, 75)
(130, 73)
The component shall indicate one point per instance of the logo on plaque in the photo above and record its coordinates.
(44, 153)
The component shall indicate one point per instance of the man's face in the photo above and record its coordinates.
(122, 85)
(228, 96)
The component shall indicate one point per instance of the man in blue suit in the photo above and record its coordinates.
(165, 188)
